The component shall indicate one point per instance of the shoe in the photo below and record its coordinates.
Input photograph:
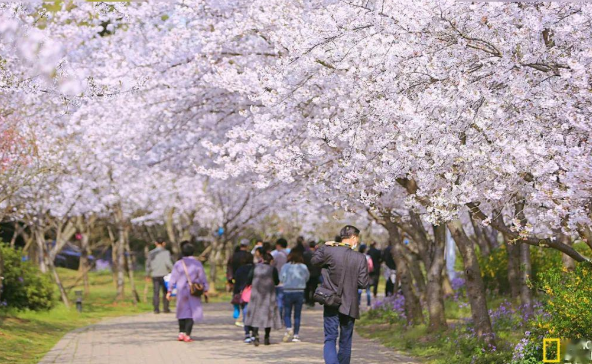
(156, 312)
(167, 311)
(181, 336)
(239, 324)
(287, 335)
(266, 341)
(296, 339)
(248, 340)
(187, 339)
(256, 341)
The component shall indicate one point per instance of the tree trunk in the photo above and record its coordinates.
(434, 290)
(480, 238)
(474, 281)
(413, 309)
(525, 273)
(446, 285)
(41, 249)
(120, 262)
(415, 269)
(58, 281)
(513, 252)
(83, 267)
(130, 267)
(170, 229)
(1, 272)
(146, 285)
(568, 262)
(214, 259)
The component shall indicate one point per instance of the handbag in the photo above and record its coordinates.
(246, 294)
(236, 299)
(196, 289)
(327, 296)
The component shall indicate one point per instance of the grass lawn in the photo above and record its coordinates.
(26, 336)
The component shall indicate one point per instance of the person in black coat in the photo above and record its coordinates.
(315, 274)
(391, 269)
(376, 256)
(339, 259)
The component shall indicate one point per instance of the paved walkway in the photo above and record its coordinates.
(151, 339)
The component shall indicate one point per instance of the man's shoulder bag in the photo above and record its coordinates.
(328, 297)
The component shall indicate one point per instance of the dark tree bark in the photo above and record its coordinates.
(525, 264)
(1, 273)
(475, 286)
(434, 290)
(480, 237)
(513, 252)
(413, 309)
(130, 267)
(432, 255)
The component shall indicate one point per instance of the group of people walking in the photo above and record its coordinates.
(271, 287)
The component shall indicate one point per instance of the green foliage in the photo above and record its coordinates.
(529, 350)
(494, 267)
(567, 302)
(25, 287)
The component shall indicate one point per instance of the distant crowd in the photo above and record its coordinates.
(271, 285)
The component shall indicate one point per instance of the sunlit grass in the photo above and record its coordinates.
(26, 336)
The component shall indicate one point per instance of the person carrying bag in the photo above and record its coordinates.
(341, 307)
(329, 297)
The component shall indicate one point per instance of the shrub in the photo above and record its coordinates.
(567, 302)
(391, 310)
(25, 287)
(494, 268)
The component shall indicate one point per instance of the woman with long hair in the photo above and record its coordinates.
(262, 311)
(186, 271)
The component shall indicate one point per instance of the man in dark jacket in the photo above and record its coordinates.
(315, 274)
(337, 259)
(391, 269)
(376, 256)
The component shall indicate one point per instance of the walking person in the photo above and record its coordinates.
(390, 271)
(158, 265)
(293, 276)
(262, 311)
(315, 274)
(362, 250)
(344, 272)
(241, 276)
(376, 256)
(280, 257)
(186, 271)
(240, 257)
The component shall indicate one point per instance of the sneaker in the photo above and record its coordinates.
(248, 340)
(287, 335)
(296, 339)
(187, 339)
(256, 341)
(181, 336)
(266, 341)
(239, 324)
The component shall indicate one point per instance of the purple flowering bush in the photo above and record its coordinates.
(24, 286)
(391, 309)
